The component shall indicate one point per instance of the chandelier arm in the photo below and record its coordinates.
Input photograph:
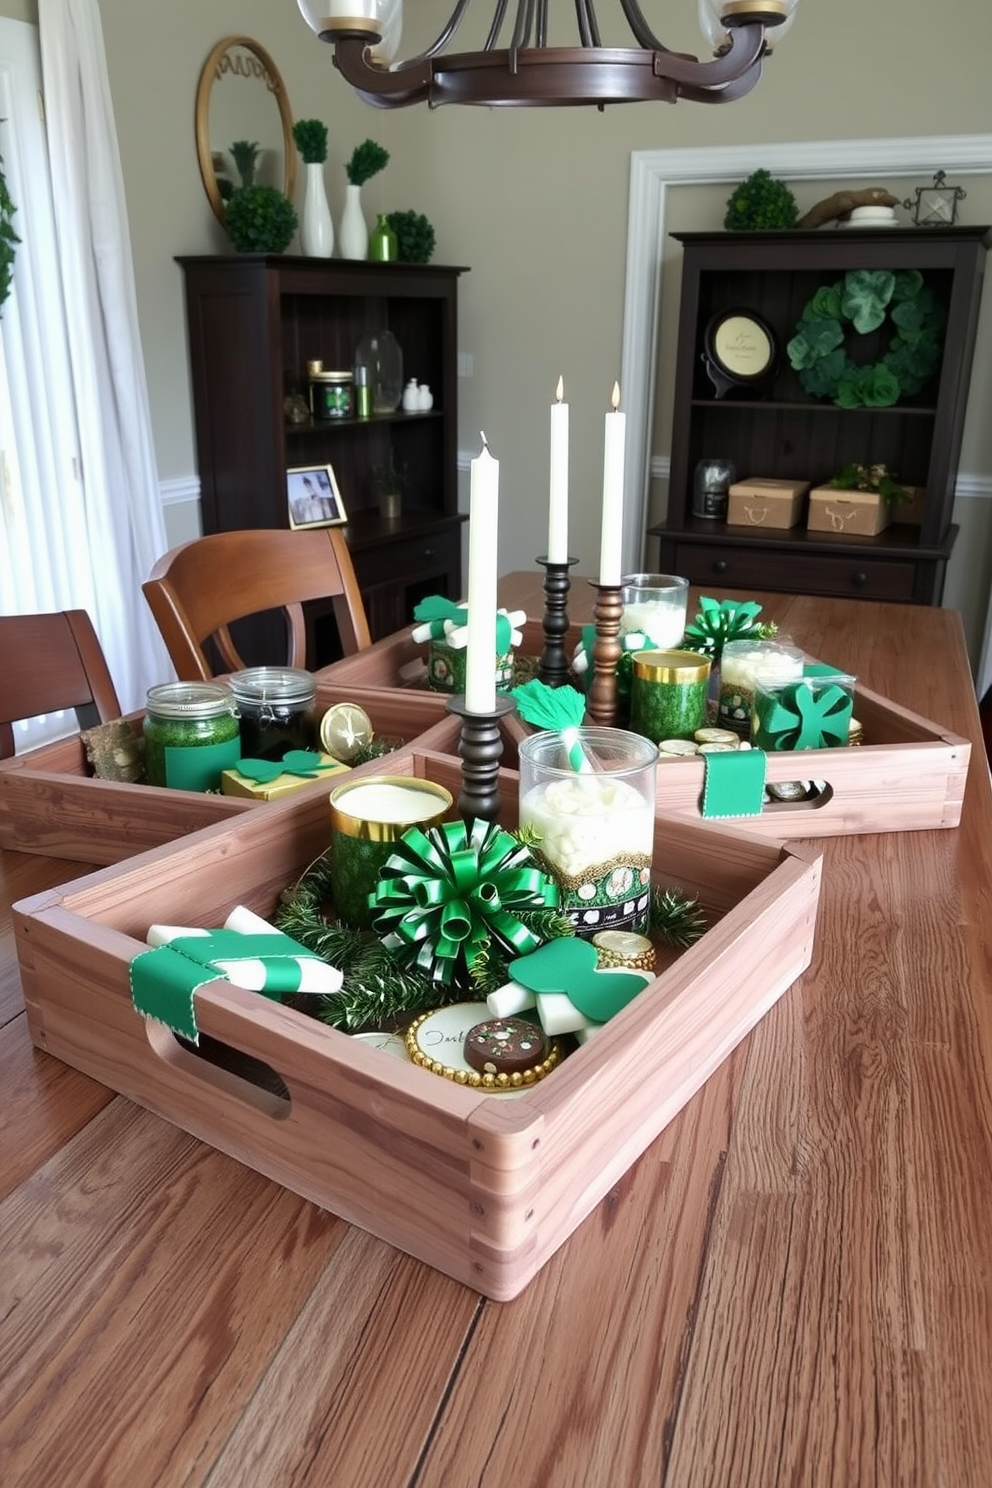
(499, 16)
(585, 12)
(542, 23)
(747, 47)
(521, 30)
(728, 94)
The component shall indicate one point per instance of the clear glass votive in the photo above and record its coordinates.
(368, 818)
(595, 823)
(742, 665)
(655, 605)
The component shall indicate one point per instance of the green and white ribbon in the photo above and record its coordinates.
(441, 619)
(560, 709)
(248, 952)
(446, 891)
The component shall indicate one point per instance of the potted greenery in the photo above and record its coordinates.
(365, 161)
(760, 201)
(389, 483)
(316, 227)
(414, 235)
(260, 219)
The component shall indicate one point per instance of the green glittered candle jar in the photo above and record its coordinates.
(192, 733)
(668, 694)
(368, 818)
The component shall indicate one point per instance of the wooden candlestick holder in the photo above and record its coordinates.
(553, 669)
(601, 694)
(480, 751)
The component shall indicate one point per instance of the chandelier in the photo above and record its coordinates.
(527, 72)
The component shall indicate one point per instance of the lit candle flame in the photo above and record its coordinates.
(615, 400)
(559, 391)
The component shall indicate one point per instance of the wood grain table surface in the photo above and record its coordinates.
(792, 1286)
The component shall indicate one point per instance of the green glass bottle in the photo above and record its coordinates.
(383, 243)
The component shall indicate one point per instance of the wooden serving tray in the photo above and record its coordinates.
(482, 1188)
(50, 805)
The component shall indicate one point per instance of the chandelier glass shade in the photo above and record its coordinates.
(520, 68)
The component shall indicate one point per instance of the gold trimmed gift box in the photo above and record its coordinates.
(234, 783)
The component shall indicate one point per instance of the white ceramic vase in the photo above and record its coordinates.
(316, 227)
(354, 228)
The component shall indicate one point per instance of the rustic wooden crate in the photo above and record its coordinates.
(910, 776)
(483, 1188)
(50, 805)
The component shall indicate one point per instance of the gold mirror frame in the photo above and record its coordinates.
(204, 154)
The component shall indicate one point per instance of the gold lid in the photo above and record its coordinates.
(383, 807)
(671, 666)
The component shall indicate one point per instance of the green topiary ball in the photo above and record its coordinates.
(260, 219)
(761, 202)
(414, 236)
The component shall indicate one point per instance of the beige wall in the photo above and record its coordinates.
(534, 202)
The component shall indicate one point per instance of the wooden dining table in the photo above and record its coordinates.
(792, 1286)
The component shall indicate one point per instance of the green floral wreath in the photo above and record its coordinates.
(863, 299)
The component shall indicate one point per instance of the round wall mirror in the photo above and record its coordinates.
(241, 101)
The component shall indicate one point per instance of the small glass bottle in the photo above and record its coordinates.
(363, 392)
(191, 734)
(711, 483)
(383, 243)
(278, 710)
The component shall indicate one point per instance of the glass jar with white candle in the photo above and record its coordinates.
(655, 605)
(589, 794)
(742, 665)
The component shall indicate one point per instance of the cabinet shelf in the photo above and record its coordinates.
(787, 434)
(254, 321)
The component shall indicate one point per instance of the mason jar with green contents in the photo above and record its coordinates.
(192, 733)
(668, 694)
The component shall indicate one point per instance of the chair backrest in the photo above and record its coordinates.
(198, 590)
(51, 662)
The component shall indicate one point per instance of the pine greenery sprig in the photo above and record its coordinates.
(675, 918)
(367, 160)
(8, 237)
(311, 140)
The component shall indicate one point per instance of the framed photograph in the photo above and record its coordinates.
(313, 497)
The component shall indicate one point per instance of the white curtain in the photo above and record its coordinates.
(81, 510)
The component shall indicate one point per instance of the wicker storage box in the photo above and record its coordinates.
(50, 805)
(481, 1187)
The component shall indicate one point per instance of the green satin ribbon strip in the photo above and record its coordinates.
(164, 980)
(442, 894)
(734, 783)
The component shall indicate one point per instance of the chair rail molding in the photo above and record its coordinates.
(653, 173)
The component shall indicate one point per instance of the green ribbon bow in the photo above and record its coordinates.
(435, 610)
(444, 892)
(723, 620)
(804, 716)
(301, 762)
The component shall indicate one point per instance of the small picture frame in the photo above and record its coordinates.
(313, 498)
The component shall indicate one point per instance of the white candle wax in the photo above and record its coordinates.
(558, 502)
(480, 650)
(611, 543)
(382, 801)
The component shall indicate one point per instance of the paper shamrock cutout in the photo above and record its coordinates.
(804, 717)
(297, 762)
(568, 965)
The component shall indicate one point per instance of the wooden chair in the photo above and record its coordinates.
(52, 662)
(198, 590)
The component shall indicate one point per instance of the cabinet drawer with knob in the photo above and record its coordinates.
(850, 575)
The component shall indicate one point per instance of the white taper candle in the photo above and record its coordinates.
(558, 500)
(611, 543)
(480, 652)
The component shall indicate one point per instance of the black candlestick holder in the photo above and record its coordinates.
(480, 751)
(553, 668)
(601, 694)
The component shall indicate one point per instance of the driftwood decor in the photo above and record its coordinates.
(835, 208)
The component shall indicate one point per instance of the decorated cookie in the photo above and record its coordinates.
(505, 1046)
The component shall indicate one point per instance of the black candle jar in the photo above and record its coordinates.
(278, 710)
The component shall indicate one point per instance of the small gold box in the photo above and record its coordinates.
(758, 502)
(233, 783)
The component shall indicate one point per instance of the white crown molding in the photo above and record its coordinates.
(653, 172)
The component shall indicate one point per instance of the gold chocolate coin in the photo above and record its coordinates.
(623, 949)
(345, 729)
